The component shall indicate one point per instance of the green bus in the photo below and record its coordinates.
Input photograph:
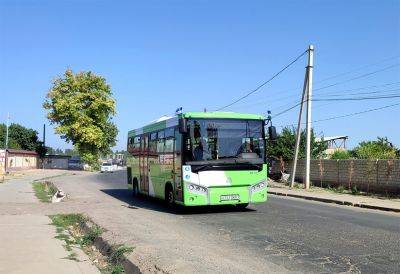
(200, 158)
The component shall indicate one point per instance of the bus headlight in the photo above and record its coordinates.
(259, 186)
(196, 189)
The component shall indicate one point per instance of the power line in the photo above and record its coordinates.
(331, 93)
(360, 93)
(350, 114)
(286, 110)
(358, 77)
(356, 113)
(339, 99)
(340, 74)
(357, 69)
(340, 92)
(263, 84)
(359, 98)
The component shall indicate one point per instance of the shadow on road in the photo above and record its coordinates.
(124, 195)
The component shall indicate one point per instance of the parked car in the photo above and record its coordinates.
(75, 164)
(106, 167)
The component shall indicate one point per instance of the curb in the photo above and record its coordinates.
(105, 248)
(339, 202)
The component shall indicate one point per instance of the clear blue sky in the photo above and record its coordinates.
(158, 55)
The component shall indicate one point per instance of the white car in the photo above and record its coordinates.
(106, 167)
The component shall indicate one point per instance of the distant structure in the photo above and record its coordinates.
(17, 159)
(54, 161)
(334, 143)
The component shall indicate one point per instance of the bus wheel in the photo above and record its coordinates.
(135, 190)
(169, 196)
(242, 206)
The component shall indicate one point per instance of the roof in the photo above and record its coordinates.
(166, 121)
(221, 115)
(331, 138)
(21, 151)
(57, 156)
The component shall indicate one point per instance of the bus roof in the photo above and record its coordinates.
(166, 121)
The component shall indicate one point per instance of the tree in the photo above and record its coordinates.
(341, 155)
(283, 146)
(19, 137)
(81, 106)
(379, 149)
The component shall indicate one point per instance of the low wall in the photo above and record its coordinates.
(378, 176)
(16, 160)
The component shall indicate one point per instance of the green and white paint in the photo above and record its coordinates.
(209, 187)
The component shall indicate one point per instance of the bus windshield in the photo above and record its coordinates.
(217, 139)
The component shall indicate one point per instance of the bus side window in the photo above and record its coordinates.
(160, 142)
(153, 143)
(178, 141)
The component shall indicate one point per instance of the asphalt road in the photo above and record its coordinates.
(302, 236)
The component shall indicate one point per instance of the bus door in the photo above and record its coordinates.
(144, 164)
(177, 169)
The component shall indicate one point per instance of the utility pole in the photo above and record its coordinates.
(298, 135)
(7, 125)
(307, 93)
(309, 123)
(6, 145)
(44, 135)
(44, 143)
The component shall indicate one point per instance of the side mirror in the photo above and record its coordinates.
(272, 133)
(182, 126)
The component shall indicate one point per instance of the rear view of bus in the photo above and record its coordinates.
(214, 158)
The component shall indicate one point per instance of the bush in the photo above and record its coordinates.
(341, 155)
(379, 149)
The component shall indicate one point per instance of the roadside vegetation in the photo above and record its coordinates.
(44, 190)
(81, 107)
(78, 231)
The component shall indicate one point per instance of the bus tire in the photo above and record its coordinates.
(242, 206)
(135, 188)
(169, 195)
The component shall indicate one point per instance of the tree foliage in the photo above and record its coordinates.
(81, 106)
(378, 149)
(20, 137)
(341, 155)
(284, 145)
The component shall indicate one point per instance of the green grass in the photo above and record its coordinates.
(44, 190)
(67, 227)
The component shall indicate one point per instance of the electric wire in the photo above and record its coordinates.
(358, 77)
(264, 83)
(332, 93)
(357, 69)
(349, 114)
(395, 95)
(359, 98)
(342, 74)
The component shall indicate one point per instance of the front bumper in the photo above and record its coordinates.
(215, 195)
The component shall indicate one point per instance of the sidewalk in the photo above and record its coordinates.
(28, 243)
(323, 195)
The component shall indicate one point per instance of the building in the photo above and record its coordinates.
(16, 159)
(56, 161)
(334, 143)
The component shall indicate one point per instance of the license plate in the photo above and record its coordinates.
(230, 197)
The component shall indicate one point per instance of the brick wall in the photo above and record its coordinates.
(379, 176)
